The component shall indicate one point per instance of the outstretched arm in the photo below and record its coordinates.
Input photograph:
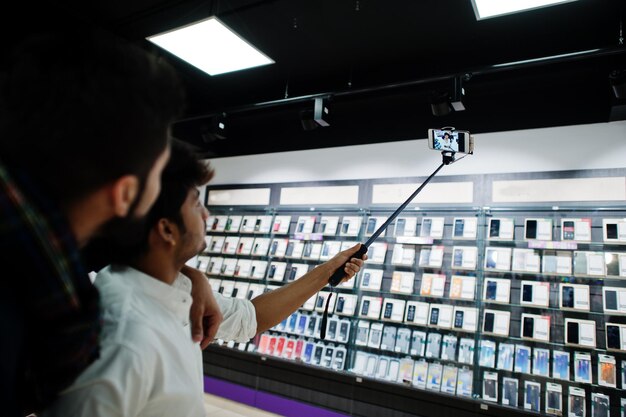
(274, 306)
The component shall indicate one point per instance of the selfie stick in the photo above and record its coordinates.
(339, 274)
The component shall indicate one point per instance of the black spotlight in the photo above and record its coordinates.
(215, 129)
(306, 118)
(319, 115)
(439, 104)
(617, 79)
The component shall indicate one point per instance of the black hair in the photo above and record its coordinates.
(79, 109)
(184, 171)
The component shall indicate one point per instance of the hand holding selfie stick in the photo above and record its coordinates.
(339, 274)
(448, 157)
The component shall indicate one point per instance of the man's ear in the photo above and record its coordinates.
(167, 231)
(124, 192)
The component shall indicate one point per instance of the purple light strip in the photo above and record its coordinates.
(263, 400)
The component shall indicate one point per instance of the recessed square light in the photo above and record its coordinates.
(485, 9)
(211, 46)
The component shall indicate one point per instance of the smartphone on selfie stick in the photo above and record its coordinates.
(447, 140)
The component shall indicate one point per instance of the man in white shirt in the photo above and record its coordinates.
(149, 365)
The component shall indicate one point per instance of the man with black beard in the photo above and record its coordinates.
(149, 364)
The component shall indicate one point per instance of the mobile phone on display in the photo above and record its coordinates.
(343, 331)
(460, 141)
(434, 316)
(257, 225)
(274, 247)
(289, 250)
(531, 229)
(307, 249)
(458, 257)
(371, 226)
(567, 297)
(366, 279)
(410, 315)
(332, 329)
(345, 226)
(317, 354)
(339, 358)
(572, 332)
(611, 300)
(276, 226)
(611, 231)
(308, 352)
(292, 273)
(388, 310)
(272, 271)
(300, 227)
(458, 319)
(488, 325)
(311, 327)
(340, 303)
(459, 225)
(528, 327)
(492, 287)
(494, 228)
(426, 226)
(527, 293)
(400, 225)
(235, 291)
(365, 307)
(568, 230)
(612, 337)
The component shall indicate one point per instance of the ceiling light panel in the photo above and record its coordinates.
(485, 9)
(212, 47)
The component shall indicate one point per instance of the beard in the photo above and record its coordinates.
(114, 241)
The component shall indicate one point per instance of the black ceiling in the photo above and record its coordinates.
(379, 61)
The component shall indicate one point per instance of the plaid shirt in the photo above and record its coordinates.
(49, 310)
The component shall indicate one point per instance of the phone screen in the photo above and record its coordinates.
(458, 227)
(332, 329)
(434, 316)
(531, 229)
(410, 316)
(568, 297)
(527, 293)
(611, 300)
(371, 225)
(494, 228)
(458, 257)
(572, 332)
(568, 230)
(488, 325)
(340, 303)
(400, 225)
(426, 225)
(492, 287)
(458, 319)
(365, 307)
(529, 325)
(388, 310)
(612, 337)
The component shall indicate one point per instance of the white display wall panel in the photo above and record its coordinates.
(520, 307)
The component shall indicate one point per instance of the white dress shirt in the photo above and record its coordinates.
(148, 364)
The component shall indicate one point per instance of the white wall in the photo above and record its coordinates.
(593, 146)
